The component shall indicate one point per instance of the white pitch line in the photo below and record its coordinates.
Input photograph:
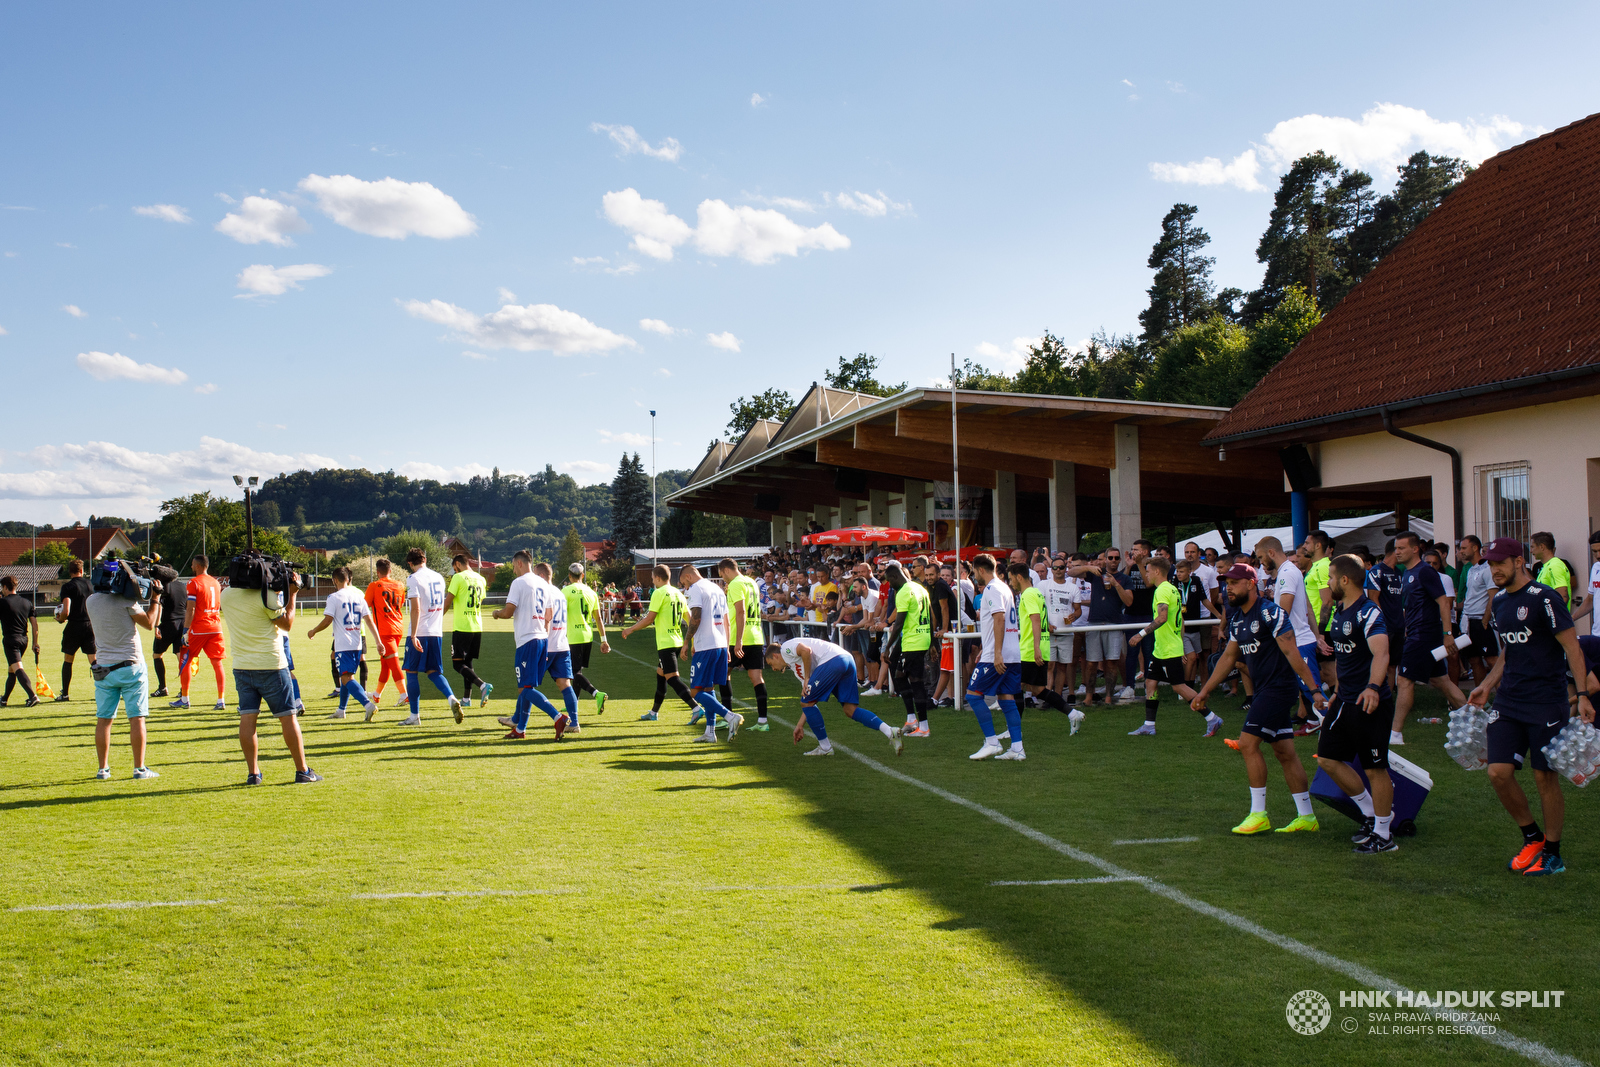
(1107, 879)
(462, 893)
(780, 888)
(1368, 979)
(117, 906)
(1158, 841)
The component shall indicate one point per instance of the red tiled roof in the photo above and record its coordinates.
(13, 548)
(1500, 283)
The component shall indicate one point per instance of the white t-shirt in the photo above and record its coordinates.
(869, 606)
(557, 641)
(426, 587)
(346, 607)
(997, 600)
(1208, 585)
(1449, 585)
(1594, 591)
(821, 651)
(713, 604)
(1290, 580)
(1058, 600)
(531, 596)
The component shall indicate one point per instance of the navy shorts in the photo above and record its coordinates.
(1484, 646)
(530, 662)
(1417, 663)
(1509, 739)
(1350, 735)
(710, 668)
(429, 661)
(986, 680)
(558, 664)
(347, 662)
(833, 678)
(1271, 716)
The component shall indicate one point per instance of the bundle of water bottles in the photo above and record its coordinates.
(1575, 752)
(1467, 737)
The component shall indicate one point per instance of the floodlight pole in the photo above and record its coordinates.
(655, 516)
(955, 470)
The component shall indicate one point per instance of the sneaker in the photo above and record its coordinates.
(761, 727)
(1231, 742)
(1368, 824)
(1375, 844)
(735, 720)
(699, 713)
(466, 702)
(1126, 693)
(508, 721)
(411, 720)
(649, 716)
(455, 709)
(488, 691)
(1014, 752)
(895, 735)
(103, 774)
(1300, 824)
(991, 747)
(819, 751)
(181, 702)
(1524, 859)
(1545, 864)
(222, 705)
(873, 692)
(561, 725)
(1003, 735)
(158, 693)
(599, 702)
(333, 695)
(574, 728)
(946, 703)
(372, 709)
(338, 714)
(1244, 709)
(1145, 730)
(306, 777)
(704, 739)
(253, 779)
(1075, 717)
(1213, 724)
(401, 701)
(919, 730)
(143, 773)
(1254, 823)
(514, 735)
(63, 698)
(32, 702)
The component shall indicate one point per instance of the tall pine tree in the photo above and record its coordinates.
(1181, 294)
(1317, 207)
(632, 522)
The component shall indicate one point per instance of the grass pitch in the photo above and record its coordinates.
(446, 897)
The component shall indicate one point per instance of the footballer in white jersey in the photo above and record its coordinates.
(828, 671)
(708, 627)
(999, 670)
(425, 651)
(347, 611)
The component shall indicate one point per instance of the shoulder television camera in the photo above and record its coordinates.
(130, 577)
(257, 570)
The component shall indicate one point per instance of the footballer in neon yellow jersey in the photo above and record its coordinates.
(583, 622)
(1034, 637)
(666, 614)
(745, 644)
(463, 612)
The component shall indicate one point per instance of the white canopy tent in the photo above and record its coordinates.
(1363, 531)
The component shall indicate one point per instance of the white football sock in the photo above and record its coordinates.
(1364, 802)
(1302, 802)
(1380, 824)
(1258, 799)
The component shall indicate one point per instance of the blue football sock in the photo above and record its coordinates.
(296, 683)
(443, 683)
(569, 697)
(814, 719)
(866, 718)
(524, 708)
(352, 690)
(542, 702)
(981, 710)
(414, 691)
(713, 708)
(1013, 714)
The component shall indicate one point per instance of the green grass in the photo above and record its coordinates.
(738, 905)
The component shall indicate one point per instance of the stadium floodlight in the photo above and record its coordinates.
(254, 481)
(238, 480)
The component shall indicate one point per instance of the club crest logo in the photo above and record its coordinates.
(1308, 1012)
(1255, 627)
(1522, 613)
(1347, 629)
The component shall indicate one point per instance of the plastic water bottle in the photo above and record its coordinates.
(1075, 717)
(1575, 753)
(1466, 738)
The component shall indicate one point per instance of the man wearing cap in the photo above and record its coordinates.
(1537, 639)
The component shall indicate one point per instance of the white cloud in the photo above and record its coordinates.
(1009, 359)
(868, 204)
(753, 234)
(623, 269)
(657, 326)
(260, 219)
(226, 199)
(1378, 141)
(664, 372)
(65, 244)
(1176, 87)
(587, 471)
(629, 141)
(506, 295)
(588, 261)
(2, 331)
(756, 99)
(206, 389)
(113, 366)
(263, 280)
(476, 355)
(459, 473)
(164, 212)
(101, 470)
(638, 440)
(75, 311)
(536, 327)
(1129, 84)
(788, 203)
(725, 341)
(389, 208)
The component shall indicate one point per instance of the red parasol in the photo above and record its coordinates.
(865, 535)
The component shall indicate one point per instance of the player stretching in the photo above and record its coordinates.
(746, 644)
(425, 649)
(825, 670)
(202, 622)
(667, 609)
(708, 637)
(386, 599)
(346, 611)
(583, 623)
(530, 604)
(463, 599)
(1260, 633)
(999, 668)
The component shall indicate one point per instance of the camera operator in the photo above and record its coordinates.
(119, 674)
(256, 618)
(15, 615)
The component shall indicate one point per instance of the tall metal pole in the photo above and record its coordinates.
(654, 514)
(955, 466)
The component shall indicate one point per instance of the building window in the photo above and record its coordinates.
(1503, 501)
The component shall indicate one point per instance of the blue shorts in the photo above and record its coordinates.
(287, 654)
(430, 660)
(986, 680)
(274, 688)
(347, 662)
(709, 668)
(1417, 663)
(124, 687)
(1271, 716)
(834, 678)
(530, 662)
(559, 664)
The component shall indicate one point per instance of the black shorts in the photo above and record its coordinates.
(746, 658)
(1510, 738)
(465, 645)
(1167, 670)
(168, 639)
(1035, 673)
(580, 654)
(1417, 663)
(667, 660)
(1271, 716)
(1484, 645)
(14, 650)
(1351, 735)
(75, 641)
(874, 648)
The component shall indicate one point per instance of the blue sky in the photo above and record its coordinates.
(498, 234)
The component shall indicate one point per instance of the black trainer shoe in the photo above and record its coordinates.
(33, 702)
(305, 776)
(252, 779)
(160, 692)
(62, 699)
(1367, 826)
(1375, 844)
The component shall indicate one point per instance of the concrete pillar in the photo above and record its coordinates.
(1126, 516)
(849, 511)
(1005, 509)
(916, 505)
(799, 523)
(1063, 507)
(780, 529)
(897, 514)
(878, 505)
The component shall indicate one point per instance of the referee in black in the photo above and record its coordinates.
(73, 614)
(16, 614)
